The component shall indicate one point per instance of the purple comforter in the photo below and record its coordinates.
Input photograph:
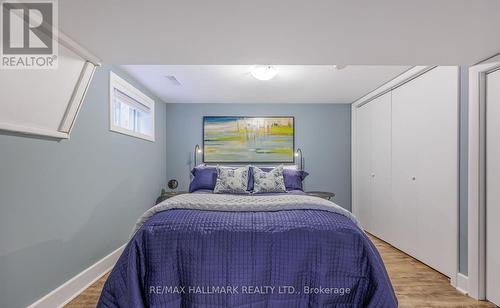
(290, 258)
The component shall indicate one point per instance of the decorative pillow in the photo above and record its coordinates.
(204, 177)
(231, 180)
(267, 182)
(293, 177)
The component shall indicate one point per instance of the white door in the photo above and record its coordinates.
(374, 165)
(363, 167)
(493, 187)
(437, 168)
(381, 214)
(404, 168)
(425, 167)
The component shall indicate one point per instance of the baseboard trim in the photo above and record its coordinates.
(76, 285)
(462, 283)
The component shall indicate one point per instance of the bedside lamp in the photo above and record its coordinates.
(298, 154)
(197, 150)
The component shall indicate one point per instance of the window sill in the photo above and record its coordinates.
(131, 133)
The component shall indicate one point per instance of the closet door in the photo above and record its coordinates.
(436, 100)
(363, 167)
(425, 167)
(404, 168)
(493, 187)
(374, 165)
(381, 208)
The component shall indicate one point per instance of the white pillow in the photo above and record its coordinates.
(231, 180)
(268, 182)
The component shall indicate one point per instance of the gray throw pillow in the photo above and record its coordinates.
(267, 182)
(231, 180)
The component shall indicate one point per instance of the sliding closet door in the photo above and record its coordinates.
(493, 187)
(374, 165)
(437, 167)
(425, 166)
(363, 167)
(407, 168)
(404, 168)
(381, 214)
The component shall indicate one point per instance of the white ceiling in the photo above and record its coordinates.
(235, 84)
(382, 32)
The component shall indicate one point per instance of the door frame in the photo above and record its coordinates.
(398, 81)
(477, 177)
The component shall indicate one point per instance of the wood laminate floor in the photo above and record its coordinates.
(416, 285)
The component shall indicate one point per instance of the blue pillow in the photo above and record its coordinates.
(205, 177)
(293, 178)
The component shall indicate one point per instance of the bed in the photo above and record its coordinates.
(268, 250)
(204, 250)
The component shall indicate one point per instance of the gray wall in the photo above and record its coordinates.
(464, 148)
(323, 132)
(65, 205)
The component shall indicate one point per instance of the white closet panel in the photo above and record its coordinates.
(437, 168)
(374, 165)
(425, 167)
(493, 187)
(363, 168)
(404, 168)
(381, 166)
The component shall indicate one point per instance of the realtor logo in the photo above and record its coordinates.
(29, 34)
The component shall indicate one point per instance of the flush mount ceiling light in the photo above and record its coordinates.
(339, 66)
(264, 72)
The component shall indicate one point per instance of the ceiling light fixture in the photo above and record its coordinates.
(264, 72)
(339, 66)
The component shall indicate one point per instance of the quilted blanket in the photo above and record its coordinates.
(206, 251)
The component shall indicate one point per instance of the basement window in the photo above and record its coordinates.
(131, 112)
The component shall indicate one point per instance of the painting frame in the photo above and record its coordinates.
(204, 143)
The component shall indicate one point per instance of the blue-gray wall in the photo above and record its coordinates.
(464, 148)
(322, 131)
(65, 205)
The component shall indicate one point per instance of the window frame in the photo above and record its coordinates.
(118, 83)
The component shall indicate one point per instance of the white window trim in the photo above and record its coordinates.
(116, 82)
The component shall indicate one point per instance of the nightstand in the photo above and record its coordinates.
(168, 194)
(322, 194)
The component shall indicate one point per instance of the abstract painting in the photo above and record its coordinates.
(248, 139)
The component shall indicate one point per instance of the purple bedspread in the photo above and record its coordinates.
(293, 258)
